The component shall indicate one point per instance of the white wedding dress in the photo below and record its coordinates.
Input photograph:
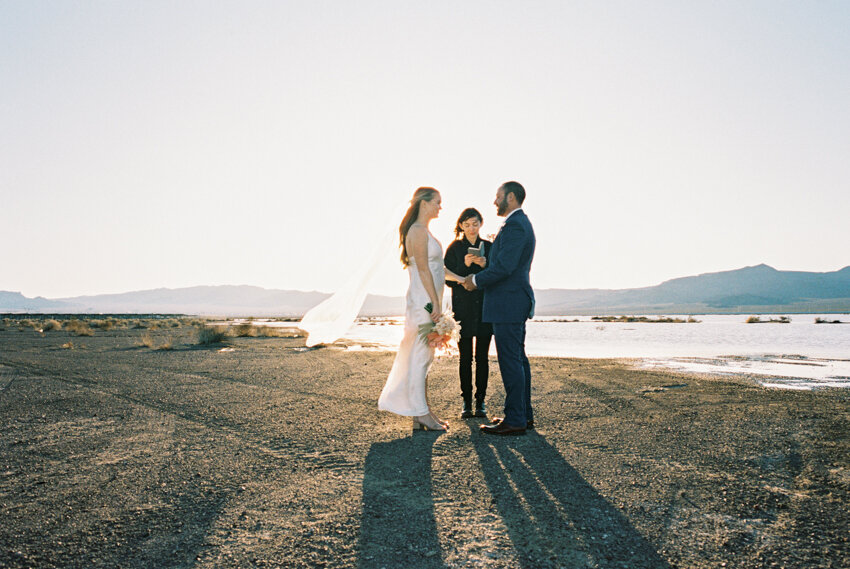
(404, 391)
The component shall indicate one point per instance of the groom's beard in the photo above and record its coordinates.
(502, 207)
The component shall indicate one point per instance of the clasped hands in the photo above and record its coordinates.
(468, 284)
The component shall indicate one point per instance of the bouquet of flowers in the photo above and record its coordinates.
(439, 334)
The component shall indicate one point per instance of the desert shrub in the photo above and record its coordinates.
(167, 345)
(103, 323)
(146, 341)
(51, 325)
(275, 332)
(211, 335)
(245, 330)
(106, 324)
(68, 345)
(79, 328)
(753, 320)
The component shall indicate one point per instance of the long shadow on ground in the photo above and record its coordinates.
(553, 516)
(398, 528)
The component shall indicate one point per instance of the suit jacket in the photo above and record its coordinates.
(508, 296)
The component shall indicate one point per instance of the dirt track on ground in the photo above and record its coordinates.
(269, 455)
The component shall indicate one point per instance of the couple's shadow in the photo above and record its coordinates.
(552, 515)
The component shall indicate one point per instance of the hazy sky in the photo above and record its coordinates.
(169, 144)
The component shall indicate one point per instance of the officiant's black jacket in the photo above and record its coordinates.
(467, 304)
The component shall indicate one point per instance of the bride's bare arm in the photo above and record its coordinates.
(453, 276)
(417, 249)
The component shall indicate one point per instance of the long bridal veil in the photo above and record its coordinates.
(328, 321)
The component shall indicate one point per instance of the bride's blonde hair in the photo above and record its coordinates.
(421, 194)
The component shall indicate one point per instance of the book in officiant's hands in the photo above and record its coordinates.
(477, 251)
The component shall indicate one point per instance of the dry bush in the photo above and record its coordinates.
(79, 328)
(146, 341)
(245, 330)
(106, 324)
(211, 335)
(51, 325)
(275, 332)
(168, 345)
(170, 323)
(753, 320)
(68, 345)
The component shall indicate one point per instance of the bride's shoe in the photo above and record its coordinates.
(440, 421)
(427, 423)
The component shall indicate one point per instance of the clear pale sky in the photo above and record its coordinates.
(170, 144)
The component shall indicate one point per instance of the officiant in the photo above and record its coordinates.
(467, 255)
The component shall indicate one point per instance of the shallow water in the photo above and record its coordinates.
(797, 355)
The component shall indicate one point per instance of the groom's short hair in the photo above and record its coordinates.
(516, 189)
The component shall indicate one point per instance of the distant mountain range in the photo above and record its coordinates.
(758, 289)
(752, 289)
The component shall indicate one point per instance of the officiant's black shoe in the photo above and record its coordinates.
(480, 409)
(467, 410)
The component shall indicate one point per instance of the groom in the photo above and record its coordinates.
(508, 303)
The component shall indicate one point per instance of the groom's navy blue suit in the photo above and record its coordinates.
(508, 303)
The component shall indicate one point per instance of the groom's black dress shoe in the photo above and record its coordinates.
(502, 429)
(497, 420)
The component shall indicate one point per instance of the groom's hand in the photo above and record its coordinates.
(468, 284)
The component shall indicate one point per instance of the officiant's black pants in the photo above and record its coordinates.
(482, 366)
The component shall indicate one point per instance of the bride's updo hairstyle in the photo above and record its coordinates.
(421, 194)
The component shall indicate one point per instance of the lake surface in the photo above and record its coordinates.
(797, 355)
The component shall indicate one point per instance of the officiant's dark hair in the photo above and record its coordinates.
(421, 194)
(516, 189)
(468, 213)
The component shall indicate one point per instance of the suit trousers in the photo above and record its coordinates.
(482, 366)
(515, 370)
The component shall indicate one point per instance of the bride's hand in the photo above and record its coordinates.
(435, 317)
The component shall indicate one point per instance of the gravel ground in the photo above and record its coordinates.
(260, 453)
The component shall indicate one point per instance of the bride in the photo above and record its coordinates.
(405, 390)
